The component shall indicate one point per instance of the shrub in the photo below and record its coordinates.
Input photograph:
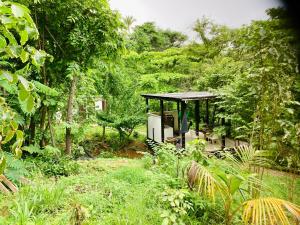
(62, 166)
(50, 161)
(177, 206)
(147, 160)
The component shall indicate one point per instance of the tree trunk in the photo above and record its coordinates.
(32, 131)
(103, 133)
(68, 149)
(42, 125)
(51, 130)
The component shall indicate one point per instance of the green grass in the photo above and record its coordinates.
(109, 191)
(106, 191)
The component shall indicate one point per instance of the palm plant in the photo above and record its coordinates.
(269, 211)
(128, 22)
(225, 178)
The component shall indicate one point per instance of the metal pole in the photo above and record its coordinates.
(223, 136)
(207, 116)
(162, 120)
(178, 111)
(147, 110)
(197, 117)
(183, 111)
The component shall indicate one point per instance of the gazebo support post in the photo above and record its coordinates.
(197, 116)
(162, 120)
(213, 117)
(178, 112)
(147, 111)
(183, 111)
(223, 136)
(207, 116)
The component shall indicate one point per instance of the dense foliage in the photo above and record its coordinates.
(57, 58)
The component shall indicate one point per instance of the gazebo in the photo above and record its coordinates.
(158, 124)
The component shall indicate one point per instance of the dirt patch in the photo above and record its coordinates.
(133, 150)
(94, 147)
(129, 153)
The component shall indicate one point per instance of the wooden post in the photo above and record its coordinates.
(147, 110)
(223, 136)
(162, 120)
(213, 117)
(207, 114)
(229, 128)
(197, 117)
(8, 184)
(183, 111)
(178, 111)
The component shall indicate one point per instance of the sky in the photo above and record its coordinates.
(180, 15)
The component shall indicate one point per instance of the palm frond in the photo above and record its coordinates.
(202, 180)
(263, 211)
(247, 155)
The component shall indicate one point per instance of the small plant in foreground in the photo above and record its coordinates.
(178, 205)
(226, 179)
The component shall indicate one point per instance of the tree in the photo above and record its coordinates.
(147, 37)
(128, 22)
(18, 60)
(76, 32)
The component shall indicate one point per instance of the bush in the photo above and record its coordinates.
(50, 161)
(63, 166)
(177, 206)
(147, 160)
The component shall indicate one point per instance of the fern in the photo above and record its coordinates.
(41, 88)
(15, 168)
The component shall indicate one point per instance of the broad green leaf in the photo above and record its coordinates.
(2, 165)
(38, 58)
(24, 37)
(10, 134)
(24, 82)
(20, 135)
(32, 32)
(4, 9)
(24, 56)
(23, 94)
(9, 36)
(14, 124)
(18, 153)
(235, 183)
(30, 104)
(7, 20)
(14, 51)
(18, 10)
(8, 75)
(2, 42)
(8, 86)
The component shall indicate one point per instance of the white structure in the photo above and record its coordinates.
(154, 128)
(100, 104)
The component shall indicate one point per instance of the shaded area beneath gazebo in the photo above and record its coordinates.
(172, 126)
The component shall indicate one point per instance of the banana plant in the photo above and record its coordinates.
(214, 178)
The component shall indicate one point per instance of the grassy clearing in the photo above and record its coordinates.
(106, 191)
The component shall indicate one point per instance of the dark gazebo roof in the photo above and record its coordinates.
(183, 96)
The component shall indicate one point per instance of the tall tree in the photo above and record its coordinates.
(148, 37)
(75, 32)
(18, 59)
